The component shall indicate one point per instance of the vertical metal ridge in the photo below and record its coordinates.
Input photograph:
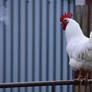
(11, 44)
(53, 88)
(61, 50)
(33, 43)
(4, 54)
(26, 41)
(40, 45)
(54, 43)
(68, 68)
(47, 44)
(74, 18)
(73, 8)
(4, 3)
(68, 77)
(4, 48)
(19, 42)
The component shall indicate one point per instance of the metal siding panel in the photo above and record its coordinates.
(37, 32)
(68, 69)
(61, 50)
(4, 53)
(44, 41)
(19, 38)
(55, 45)
(70, 74)
(59, 47)
(1, 55)
(40, 44)
(47, 43)
(1, 49)
(54, 38)
(44, 32)
(26, 42)
(4, 47)
(51, 40)
(11, 39)
(33, 42)
(22, 42)
(36, 44)
(15, 46)
(29, 44)
(65, 60)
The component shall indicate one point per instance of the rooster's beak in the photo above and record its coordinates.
(60, 22)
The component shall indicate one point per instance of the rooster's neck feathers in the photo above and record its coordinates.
(73, 30)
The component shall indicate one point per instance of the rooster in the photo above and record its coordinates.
(78, 47)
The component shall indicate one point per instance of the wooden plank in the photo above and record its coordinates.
(82, 89)
(80, 2)
(90, 17)
(84, 19)
(76, 88)
(78, 14)
(88, 1)
(81, 17)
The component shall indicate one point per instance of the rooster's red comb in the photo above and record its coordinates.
(66, 15)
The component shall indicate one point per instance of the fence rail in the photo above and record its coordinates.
(41, 83)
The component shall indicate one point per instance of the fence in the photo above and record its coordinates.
(50, 83)
(40, 83)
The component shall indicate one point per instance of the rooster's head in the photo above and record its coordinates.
(64, 20)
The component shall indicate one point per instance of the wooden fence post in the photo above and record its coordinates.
(82, 17)
(90, 17)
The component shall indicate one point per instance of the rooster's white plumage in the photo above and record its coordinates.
(78, 46)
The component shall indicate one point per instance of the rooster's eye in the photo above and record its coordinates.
(65, 20)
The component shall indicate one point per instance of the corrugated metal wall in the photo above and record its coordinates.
(32, 44)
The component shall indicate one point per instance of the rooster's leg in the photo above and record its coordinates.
(86, 78)
(81, 78)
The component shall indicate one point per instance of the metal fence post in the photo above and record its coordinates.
(53, 88)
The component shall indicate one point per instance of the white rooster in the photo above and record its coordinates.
(78, 46)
